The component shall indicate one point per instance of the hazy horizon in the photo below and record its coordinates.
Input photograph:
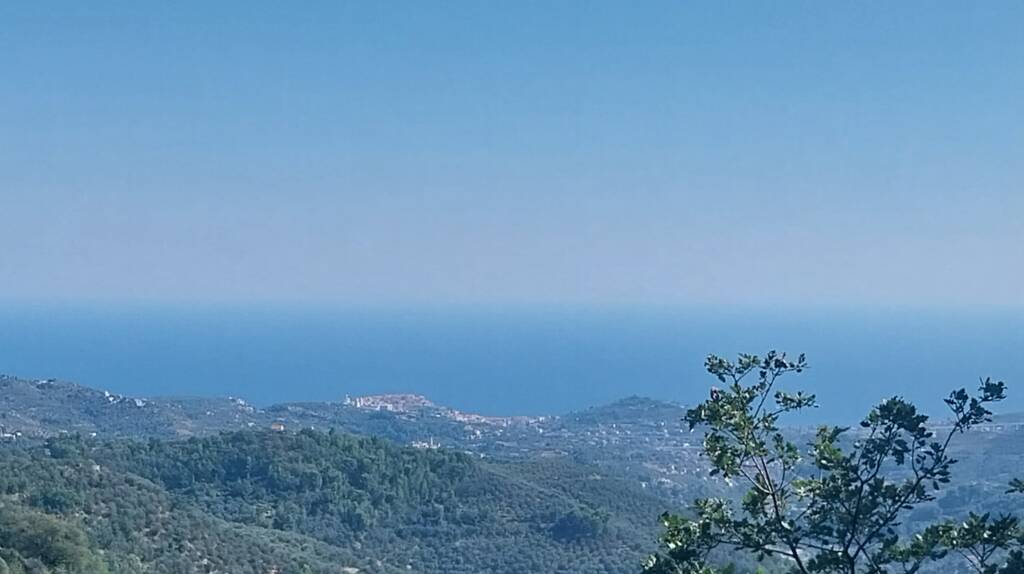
(519, 361)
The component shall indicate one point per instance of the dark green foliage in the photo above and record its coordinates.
(251, 502)
(577, 525)
(990, 545)
(60, 546)
(837, 506)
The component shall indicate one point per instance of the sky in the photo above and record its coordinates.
(395, 153)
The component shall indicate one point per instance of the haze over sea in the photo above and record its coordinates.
(527, 360)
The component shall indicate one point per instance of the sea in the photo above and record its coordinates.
(514, 360)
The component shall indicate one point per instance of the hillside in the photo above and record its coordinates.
(41, 408)
(635, 437)
(258, 501)
(639, 440)
(50, 407)
(550, 489)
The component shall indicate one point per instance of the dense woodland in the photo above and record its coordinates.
(308, 502)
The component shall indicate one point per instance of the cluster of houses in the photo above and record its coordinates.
(8, 435)
(399, 403)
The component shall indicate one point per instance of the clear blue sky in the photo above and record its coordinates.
(764, 153)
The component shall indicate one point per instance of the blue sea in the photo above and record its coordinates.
(506, 361)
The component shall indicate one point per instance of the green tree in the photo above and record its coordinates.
(835, 506)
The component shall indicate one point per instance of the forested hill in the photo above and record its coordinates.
(262, 502)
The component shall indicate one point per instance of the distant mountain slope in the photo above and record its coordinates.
(638, 438)
(568, 494)
(629, 410)
(49, 407)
